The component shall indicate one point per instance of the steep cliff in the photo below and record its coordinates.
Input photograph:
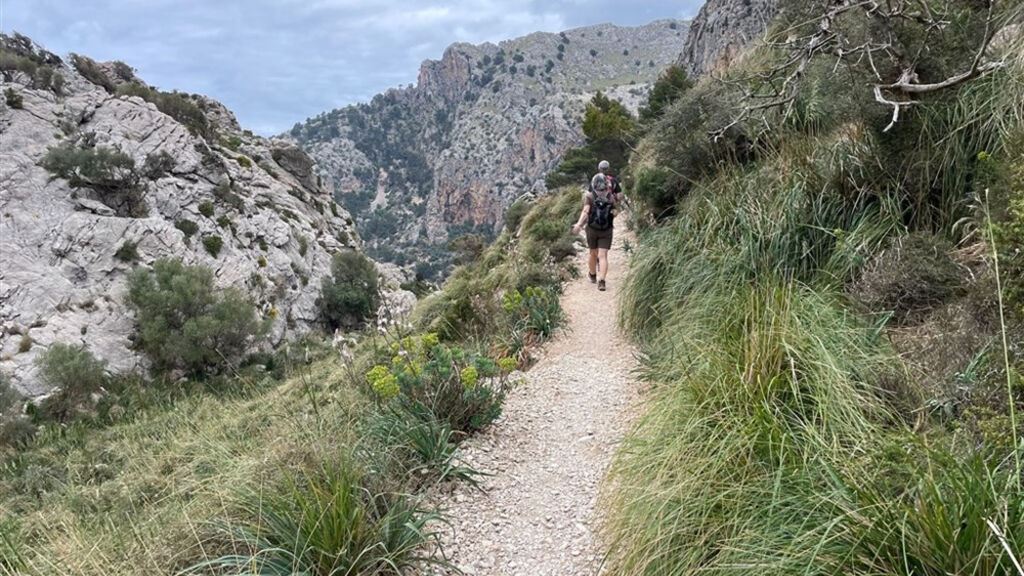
(720, 32)
(482, 126)
(253, 210)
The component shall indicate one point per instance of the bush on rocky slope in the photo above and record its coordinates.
(185, 323)
(107, 171)
(349, 296)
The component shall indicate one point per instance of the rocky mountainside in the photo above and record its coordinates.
(148, 175)
(482, 126)
(720, 32)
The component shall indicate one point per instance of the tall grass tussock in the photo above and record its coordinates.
(784, 433)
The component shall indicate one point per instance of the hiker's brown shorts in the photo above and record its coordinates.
(599, 238)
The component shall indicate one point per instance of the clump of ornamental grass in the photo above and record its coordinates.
(326, 522)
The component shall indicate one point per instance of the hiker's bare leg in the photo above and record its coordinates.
(593, 262)
(602, 256)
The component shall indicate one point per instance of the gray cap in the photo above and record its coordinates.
(603, 165)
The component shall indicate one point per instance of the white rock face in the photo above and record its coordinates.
(60, 280)
(721, 32)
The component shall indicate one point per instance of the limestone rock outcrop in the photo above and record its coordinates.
(721, 31)
(65, 254)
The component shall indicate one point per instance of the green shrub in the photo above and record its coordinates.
(15, 429)
(349, 295)
(223, 221)
(669, 87)
(326, 523)
(261, 262)
(213, 244)
(123, 71)
(1007, 232)
(158, 165)
(514, 215)
(225, 193)
(651, 188)
(19, 54)
(303, 246)
(128, 252)
(25, 344)
(206, 208)
(187, 227)
(233, 143)
(185, 323)
(176, 105)
(535, 309)
(75, 375)
(89, 69)
(13, 99)
(243, 161)
(464, 391)
(107, 171)
(467, 247)
(564, 247)
(186, 111)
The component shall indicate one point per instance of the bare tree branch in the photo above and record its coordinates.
(778, 87)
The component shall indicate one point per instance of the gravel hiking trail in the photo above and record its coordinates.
(537, 511)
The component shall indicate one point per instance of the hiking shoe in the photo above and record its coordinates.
(600, 285)
(593, 277)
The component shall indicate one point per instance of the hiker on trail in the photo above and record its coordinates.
(598, 213)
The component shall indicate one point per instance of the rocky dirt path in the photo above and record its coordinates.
(537, 514)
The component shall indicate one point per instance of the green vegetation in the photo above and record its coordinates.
(187, 227)
(89, 69)
(15, 432)
(672, 83)
(18, 54)
(75, 375)
(13, 99)
(107, 171)
(182, 107)
(510, 289)
(325, 522)
(226, 194)
(186, 324)
(206, 208)
(610, 132)
(128, 252)
(834, 383)
(349, 295)
(213, 244)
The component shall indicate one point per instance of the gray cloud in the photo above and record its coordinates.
(277, 62)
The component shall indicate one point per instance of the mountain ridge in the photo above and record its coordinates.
(482, 126)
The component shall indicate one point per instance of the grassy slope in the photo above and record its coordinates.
(150, 492)
(137, 497)
(777, 438)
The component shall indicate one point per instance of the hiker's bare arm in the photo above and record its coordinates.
(583, 218)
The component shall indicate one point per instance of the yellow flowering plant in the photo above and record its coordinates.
(461, 388)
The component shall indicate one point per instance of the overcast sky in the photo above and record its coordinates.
(277, 62)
